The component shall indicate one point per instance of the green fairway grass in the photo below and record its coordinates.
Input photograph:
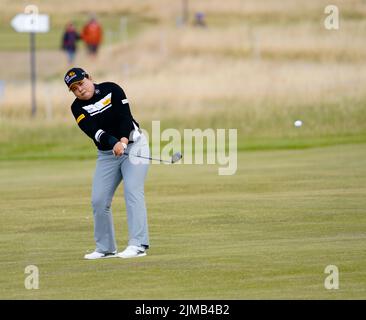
(268, 231)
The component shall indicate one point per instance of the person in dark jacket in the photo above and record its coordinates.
(69, 42)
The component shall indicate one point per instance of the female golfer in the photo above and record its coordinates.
(102, 111)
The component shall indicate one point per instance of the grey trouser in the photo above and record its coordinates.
(109, 173)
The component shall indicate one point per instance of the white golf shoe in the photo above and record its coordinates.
(98, 255)
(132, 252)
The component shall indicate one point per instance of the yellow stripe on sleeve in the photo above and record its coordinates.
(81, 117)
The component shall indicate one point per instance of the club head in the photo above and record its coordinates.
(176, 157)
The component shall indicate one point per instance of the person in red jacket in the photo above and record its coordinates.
(92, 35)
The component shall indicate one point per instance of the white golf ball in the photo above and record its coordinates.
(298, 123)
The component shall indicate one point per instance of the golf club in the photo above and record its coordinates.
(175, 157)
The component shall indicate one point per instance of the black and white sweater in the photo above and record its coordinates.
(106, 117)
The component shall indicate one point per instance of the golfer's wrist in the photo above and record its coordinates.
(107, 140)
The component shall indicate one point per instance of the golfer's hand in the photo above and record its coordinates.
(124, 140)
(118, 149)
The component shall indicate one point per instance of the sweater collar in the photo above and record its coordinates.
(96, 89)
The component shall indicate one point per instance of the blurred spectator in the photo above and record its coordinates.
(69, 39)
(199, 20)
(92, 35)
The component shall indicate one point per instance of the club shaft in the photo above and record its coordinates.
(149, 158)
